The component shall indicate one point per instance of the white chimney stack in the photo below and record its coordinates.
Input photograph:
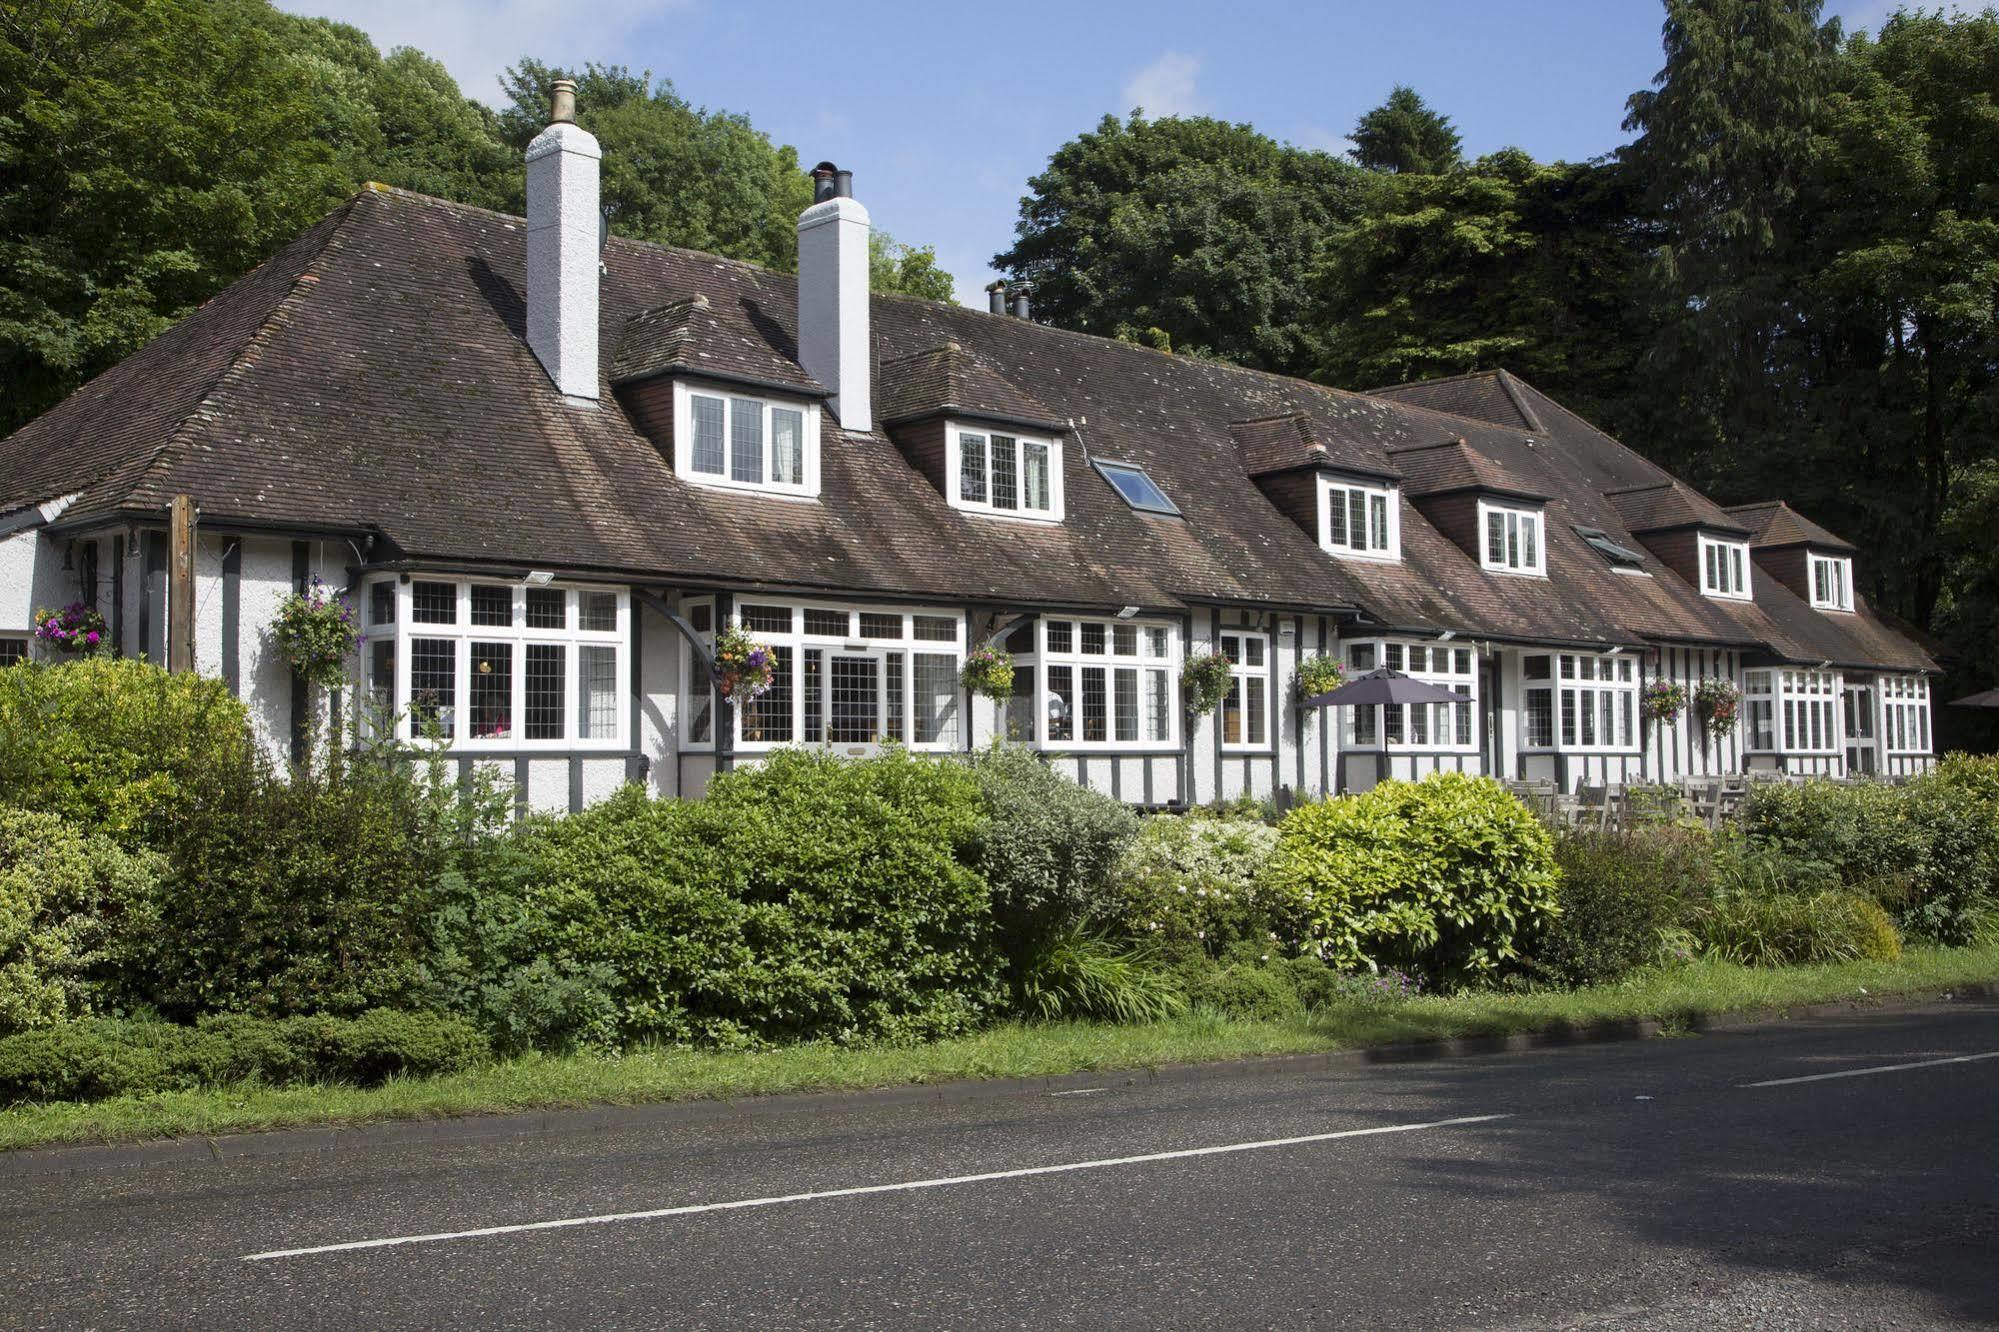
(833, 343)
(563, 244)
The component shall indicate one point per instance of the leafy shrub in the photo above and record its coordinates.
(808, 898)
(1781, 929)
(1619, 893)
(1446, 876)
(62, 894)
(1244, 990)
(1976, 775)
(1048, 848)
(1197, 880)
(1082, 975)
(101, 1057)
(116, 746)
(312, 893)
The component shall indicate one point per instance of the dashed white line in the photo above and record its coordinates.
(612, 1218)
(1879, 1068)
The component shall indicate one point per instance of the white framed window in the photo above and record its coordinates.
(1359, 521)
(1512, 539)
(1832, 582)
(1759, 707)
(1724, 568)
(1580, 703)
(1416, 726)
(1004, 473)
(741, 441)
(1244, 714)
(1905, 718)
(491, 665)
(1095, 684)
(847, 678)
(1806, 711)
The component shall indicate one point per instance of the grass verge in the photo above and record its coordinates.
(1011, 1050)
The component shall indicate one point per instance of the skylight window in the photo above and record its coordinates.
(1599, 541)
(1140, 491)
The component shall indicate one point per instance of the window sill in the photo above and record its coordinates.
(1038, 519)
(1729, 596)
(1516, 573)
(1366, 557)
(765, 489)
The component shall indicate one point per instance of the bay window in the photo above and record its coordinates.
(1724, 568)
(746, 442)
(1906, 714)
(1832, 583)
(846, 678)
(1359, 521)
(1245, 708)
(1512, 541)
(1416, 726)
(496, 665)
(1580, 702)
(1094, 684)
(1794, 711)
(1001, 472)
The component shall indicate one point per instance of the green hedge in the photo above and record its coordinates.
(1448, 877)
(116, 746)
(1620, 894)
(807, 898)
(101, 1057)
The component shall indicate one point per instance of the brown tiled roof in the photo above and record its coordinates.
(687, 336)
(1491, 396)
(948, 380)
(1656, 506)
(1286, 442)
(373, 377)
(1451, 465)
(1775, 523)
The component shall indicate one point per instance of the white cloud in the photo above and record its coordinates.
(477, 39)
(1323, 139)
(1166, 87)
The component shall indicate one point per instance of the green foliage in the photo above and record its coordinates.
(1403, 135)
(98, 1058)
(1196, 880)
(1204, 682)
(1448, 876)
(808, 898)
(116, 746)
(1048, 850)
(316, 634)
(1084, 975)
(1245, 991)
(1788, 929)
(907, 270)
(1188, 231)
(1320, 673)
(63, 896)
(1620, 894)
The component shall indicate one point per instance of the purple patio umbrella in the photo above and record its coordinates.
(1382, 686)
(1984, 698)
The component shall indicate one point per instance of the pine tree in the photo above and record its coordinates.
(1405, 136)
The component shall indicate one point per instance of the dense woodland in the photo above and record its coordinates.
(1785, 284)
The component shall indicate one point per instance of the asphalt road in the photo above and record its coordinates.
(1643, 1184)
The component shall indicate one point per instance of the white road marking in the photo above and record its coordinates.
(1880, 1068)
(1081, 1091)
(860, 1190)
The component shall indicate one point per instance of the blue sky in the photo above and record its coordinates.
(943, 111)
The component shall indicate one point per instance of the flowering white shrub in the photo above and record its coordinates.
(1195, 879)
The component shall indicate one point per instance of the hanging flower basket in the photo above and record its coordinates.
(1204, 680)
(76, 628)
(1663, 701)
(742, 666)
(314, 632)
(1318, 674)
(1719, 703)
(988, 673)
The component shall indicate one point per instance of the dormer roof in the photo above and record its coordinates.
(1291, 440)
(1492, 396)
(948, 380)
(690, 337)
(1773, 523)
(1452, 466)
(1663, 505)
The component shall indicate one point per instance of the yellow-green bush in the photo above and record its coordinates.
(1787, 929)
(1448, 876)
(116, 746)
(61, 893)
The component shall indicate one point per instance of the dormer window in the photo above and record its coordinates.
(1832, 582)
(1359, 521)
(745, 442)
(1513, 539)
(1725, 568)
(1005, 474)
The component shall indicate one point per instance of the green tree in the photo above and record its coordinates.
(1405, 136)
(1506, 262)
(150, 152)
(907, 270)
(1186, 229)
